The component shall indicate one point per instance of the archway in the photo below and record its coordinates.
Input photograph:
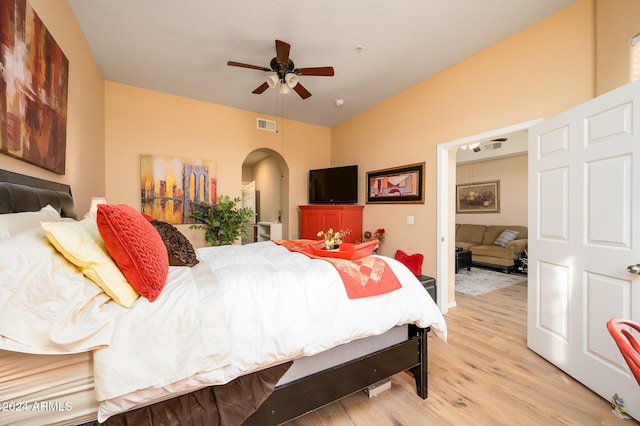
(270, 172)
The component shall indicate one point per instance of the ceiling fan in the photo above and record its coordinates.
(285, 72)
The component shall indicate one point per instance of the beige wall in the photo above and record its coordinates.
(538, 72)
(512, 174)
(140, 121)
(267, 174)
(85, 170)
(618, 22)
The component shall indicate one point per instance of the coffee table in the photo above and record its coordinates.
(463, 260)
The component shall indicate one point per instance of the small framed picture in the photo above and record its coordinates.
(481, 197)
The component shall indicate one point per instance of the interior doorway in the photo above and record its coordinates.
(446, 165)
(270, 172)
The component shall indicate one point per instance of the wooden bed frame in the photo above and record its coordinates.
(316, 390)
(322, 388)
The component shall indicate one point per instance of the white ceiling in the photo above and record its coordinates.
(182, 47)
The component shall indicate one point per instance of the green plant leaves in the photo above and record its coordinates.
(223, 222)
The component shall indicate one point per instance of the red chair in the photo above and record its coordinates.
(627, 344)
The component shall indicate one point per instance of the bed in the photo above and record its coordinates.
(210, 334)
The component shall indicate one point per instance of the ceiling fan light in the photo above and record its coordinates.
(272, 80)
(291, 80)
(284, 89)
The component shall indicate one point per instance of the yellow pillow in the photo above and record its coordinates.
(81, 243)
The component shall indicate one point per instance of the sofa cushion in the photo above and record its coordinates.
(493, 232)
(491, 250)
(471, 233)
(465, 245)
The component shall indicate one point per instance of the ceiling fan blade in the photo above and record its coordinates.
(300, 90)
(254, 67)
(264, 86)
(282, 52)
(318, 71)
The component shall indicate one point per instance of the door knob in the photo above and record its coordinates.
(634, 269)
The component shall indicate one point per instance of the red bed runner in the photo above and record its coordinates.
(364, 277)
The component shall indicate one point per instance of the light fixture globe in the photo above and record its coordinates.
(291, 79)
(272, 80)
(285, 89)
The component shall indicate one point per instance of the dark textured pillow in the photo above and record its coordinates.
(180, 250)
(135, 246)
(413, 261)
(505, 237)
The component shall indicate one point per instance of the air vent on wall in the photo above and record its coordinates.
(267, 125)
(494, 145)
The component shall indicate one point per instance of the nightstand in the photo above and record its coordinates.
(429, 284)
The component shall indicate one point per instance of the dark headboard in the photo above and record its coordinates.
(22, 193)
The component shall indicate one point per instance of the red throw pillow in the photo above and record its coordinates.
(135, 246)
(413, 261)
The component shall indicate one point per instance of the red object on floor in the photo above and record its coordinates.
(627, 344)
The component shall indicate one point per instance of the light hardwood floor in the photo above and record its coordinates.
(484, 375)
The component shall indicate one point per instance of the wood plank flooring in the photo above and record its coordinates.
(484, 375)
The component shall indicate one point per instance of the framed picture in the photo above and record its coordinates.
(34, 75)
(481, 197)
(171, 187)
(396, 185)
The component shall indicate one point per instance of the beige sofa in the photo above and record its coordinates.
(480, 239)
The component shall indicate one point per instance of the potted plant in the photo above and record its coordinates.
(222, 222)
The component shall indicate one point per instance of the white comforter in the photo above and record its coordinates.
(241, 309)
(277, 306)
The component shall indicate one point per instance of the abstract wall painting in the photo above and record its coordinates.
(171, 187)
(34, 74)
(403, 184)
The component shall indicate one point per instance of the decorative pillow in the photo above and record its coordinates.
(15, 223)
(180, 250)
(136, 247)
(506, 236)
(81, 244)
(413, 261)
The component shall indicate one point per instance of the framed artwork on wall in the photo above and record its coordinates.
(480, 197)
(171, 187)
(34, 76)
(403, 184)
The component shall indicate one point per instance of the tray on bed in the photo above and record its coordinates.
(346, 251)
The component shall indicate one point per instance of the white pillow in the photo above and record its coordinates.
(48, 306)
(14, 223)
(506, 236)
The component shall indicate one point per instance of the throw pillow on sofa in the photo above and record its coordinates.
(506, 236)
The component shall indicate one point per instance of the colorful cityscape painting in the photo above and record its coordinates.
(171, 187)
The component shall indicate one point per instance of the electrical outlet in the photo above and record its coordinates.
(409, 220)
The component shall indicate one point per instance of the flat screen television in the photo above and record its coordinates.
(334, 185)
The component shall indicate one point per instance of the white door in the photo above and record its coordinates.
(249, 200)
(584, 221)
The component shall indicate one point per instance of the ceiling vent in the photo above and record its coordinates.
(267, 125)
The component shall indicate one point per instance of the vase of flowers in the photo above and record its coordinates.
(332, 239)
